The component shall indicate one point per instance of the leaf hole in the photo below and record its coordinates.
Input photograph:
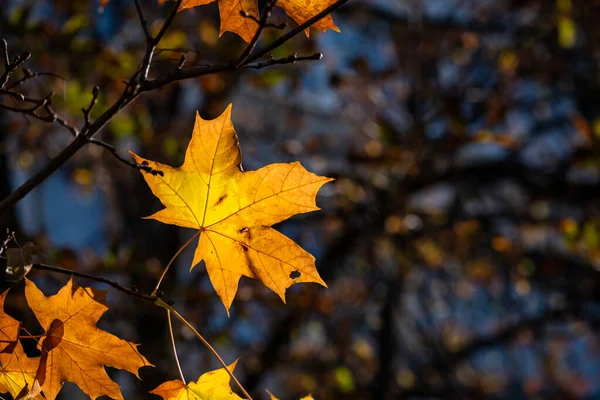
(295, 274)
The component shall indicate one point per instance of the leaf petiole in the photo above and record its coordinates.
(164, 273)
(159, 302)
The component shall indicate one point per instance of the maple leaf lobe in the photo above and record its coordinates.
(234, 210)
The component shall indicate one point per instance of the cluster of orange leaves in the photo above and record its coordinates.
(233, 211)
(232, 20)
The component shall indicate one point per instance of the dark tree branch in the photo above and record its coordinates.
(45, 104)
(300, 28)
(143, 22)
(286, 60)
(12, 94)
(9, 237)
(4, 49)
(262, 23)
(28, 74)
(113, 151)
(10, 68)
(115, 285)
(87, 111)
(168, 22)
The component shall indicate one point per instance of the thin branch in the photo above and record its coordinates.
(115, 285)
(143, 22)
(152, 43)
(4, 49)
(161, 303)
(9, 67)
(267, 25)
(10, 93)
(9, 237)
(168, 22)
(286, 60)
(113, 152)
(28, 74)
(49, 116)
(264, 20)
(87, 111)
(300, 28)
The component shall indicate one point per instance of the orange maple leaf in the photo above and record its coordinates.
(234, 210)
(73, 348)
(233, 21)
(213, 385)
(17, 371)
(9, 328)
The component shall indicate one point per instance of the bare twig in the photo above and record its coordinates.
(34, 111)
(9, 237)
(143, 22)
(168, 22)
(10, 93)
(300, 28)
(87, 111)
(29, 74)
(11, 67)
(264, 20)
(267, 25)
(113, 151)
(113, 284)
(286, 60)
(4, 49)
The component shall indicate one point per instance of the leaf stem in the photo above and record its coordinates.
(164, 305)
(186, 244)
(175, 347)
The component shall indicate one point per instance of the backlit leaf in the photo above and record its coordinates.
(234, 210)
(213, 385)
(73, 348)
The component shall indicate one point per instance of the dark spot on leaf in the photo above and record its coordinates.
(221, 199)
(54, 335)
(244, 247)
(295, 274)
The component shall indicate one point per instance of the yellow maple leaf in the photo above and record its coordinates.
(17, 371)
(73, 348)
(234, 210)
(213, 385)
(9, 328)
(233, 21)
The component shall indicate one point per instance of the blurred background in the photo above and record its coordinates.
(460, 239)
